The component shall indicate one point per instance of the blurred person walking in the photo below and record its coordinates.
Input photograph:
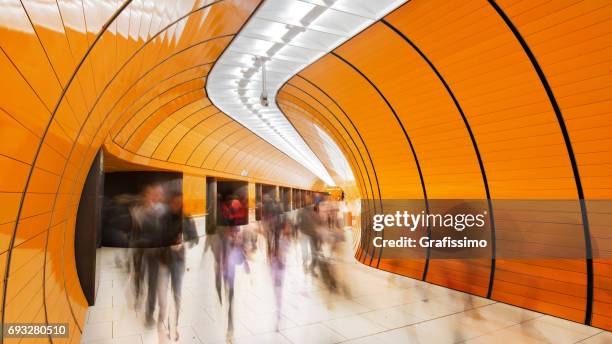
(180, 233)
(148, 219)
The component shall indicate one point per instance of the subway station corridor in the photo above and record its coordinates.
(305, 171)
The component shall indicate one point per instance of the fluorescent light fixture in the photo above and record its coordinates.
(287, 35)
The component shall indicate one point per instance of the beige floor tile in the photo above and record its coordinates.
(97, 331)
(266, 338)
(309, 334)
(391, 318)
(354, 326)
(600, 338)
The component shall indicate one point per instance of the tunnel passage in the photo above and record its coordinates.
(487, 100)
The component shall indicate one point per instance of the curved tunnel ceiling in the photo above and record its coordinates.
(280, 39)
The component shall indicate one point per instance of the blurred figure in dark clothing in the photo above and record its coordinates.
(179, 233)
(117, 219)
(149, 218)
(308, 223)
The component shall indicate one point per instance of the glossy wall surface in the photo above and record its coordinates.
(492, 100)
(128, 75)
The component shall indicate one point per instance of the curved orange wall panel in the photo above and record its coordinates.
(482, 100)
(119, 74)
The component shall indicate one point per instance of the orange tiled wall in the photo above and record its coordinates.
(448, 99)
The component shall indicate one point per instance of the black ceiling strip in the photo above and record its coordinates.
(217, 144)
(176, 125)
(474, 145)
(27, 184)
(414, 154)
(188, 131)
(358, 134)
(570, 153)
(369, 213)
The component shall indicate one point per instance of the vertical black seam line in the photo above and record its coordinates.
(60, 126)
(229, 146)
(59, 11)
(343, 139)
(131, 86)
(217, 144)
(283, 89)
(360, 138)
(93, 78)
(570, 153)
(303, 139)
(191, 115)
(52, 68)
(246, 142)
(188, 131)
(27, 184)
(179, 99)
(204, 139)
(154, 97)
(474, 144)
(414, 154)
(156, 110)
(356, 162)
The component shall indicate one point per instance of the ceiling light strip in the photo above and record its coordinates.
(282, 38)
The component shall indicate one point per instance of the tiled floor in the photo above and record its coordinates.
(381, 308)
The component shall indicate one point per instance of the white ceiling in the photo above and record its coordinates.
(289, 35)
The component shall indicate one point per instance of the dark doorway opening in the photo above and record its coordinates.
(122, 191)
